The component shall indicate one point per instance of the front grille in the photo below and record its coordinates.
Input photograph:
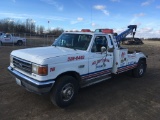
(22, 65)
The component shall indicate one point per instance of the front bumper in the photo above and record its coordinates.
(30, 84)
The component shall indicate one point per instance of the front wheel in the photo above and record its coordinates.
(140, 69)
(64, 91)
(19, 43)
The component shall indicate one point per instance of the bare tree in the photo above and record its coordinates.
(57, 31)
(41, 30)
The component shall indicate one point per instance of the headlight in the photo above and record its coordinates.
(11, 59)
(40, 69)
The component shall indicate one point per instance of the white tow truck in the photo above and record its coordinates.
(7, 38)
(75, 60)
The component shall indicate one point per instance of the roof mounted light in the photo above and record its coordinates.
(107, 31)
(85, 30)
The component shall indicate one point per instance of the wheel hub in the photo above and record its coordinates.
(67, 92)
(141, 70)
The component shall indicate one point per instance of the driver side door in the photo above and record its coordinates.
(7, 38)
(100, 63)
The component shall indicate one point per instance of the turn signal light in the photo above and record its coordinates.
(43, 70)
(40, 69)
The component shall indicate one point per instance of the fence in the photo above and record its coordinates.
(36, 40)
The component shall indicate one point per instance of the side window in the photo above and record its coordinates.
(110, 40)
(98, 43)
(7, 36)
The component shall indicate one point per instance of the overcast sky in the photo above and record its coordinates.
(90, 14)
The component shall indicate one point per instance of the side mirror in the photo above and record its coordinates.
(110, 48)
(103, 49)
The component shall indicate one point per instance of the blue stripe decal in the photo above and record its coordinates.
(96, 73)
(125, 68)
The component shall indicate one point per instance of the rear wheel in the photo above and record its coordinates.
(64, 91)
(140, 69)
(19, 43)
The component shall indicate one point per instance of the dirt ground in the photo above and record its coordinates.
(120, 98)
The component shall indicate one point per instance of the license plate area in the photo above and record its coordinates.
(18, 81)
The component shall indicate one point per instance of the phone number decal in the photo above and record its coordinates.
(75, 58)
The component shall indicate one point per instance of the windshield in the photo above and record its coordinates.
(74, 41)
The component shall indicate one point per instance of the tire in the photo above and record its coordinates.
(19, 43)
(64, 91)
(140, 70)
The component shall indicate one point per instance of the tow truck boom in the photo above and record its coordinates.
(131, 29)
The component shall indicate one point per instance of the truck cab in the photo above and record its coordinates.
(75, 60)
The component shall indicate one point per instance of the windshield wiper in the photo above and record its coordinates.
(71, 48)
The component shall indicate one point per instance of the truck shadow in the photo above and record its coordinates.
(122, 88)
